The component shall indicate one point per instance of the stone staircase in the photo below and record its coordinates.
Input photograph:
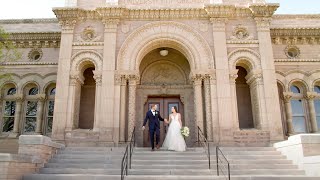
(9, 145)
(95, 163)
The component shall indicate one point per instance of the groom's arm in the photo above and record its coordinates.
(160, 118)
(145, 120)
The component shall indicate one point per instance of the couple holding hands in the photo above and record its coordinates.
(174, 140)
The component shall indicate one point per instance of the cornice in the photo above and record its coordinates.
(28, 63)
(296, 16)
(263, 10)
(36, 39)
(242, 41)
(28, 21)
(295, 31)
(297, 60)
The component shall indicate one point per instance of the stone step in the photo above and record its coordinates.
(162, 172)
(234, 161)
(90, 156)
(90, 152)
(261, 177)
(70, 177)
(203, 157)
(249, 153)
(79, 171)
(245, 148)
(84, 161)
(268, 172)
(84, 165)
(105, 149)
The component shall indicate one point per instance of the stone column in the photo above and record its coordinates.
(123, 92)
(287, 100)
(109, 110)
(98, 78)
(197, 88)
(254, 79)
(272, 105)
(133, 79)
(76, 81)
(17, 116)
(214, 110)
(312, 111)
(41, 99)
(67, 20)
(232, 78)
(207, 99)
(227, 119)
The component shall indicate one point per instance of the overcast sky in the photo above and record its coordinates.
(26, 9)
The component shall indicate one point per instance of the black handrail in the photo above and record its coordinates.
(205, 144)
(124, 164)
(218, 151)
(126, 160)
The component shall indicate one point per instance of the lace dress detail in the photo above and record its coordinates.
(174, 141)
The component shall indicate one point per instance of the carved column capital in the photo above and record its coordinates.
(97, 77)
(233, 76)
(218, 24)
(76, 78)
(133, 79)
(110, 25)
(196, 79)
(263, 23)
(287, 96)
(255, 76)
(41, 97)
(19, 98)
(68, 24)
(311, 95)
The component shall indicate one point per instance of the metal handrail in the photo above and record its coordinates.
(205, 145)
(218, 150)
(126, 160)
(124, 164)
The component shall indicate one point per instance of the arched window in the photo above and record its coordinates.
(317, 105)
(298, 110)
(295, 89)
(53, 92)
(12, 91)
(317, 89)
(33, 91)
(50, 110)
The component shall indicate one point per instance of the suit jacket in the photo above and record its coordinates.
(154, 121)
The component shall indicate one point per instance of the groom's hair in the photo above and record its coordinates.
(153, 105)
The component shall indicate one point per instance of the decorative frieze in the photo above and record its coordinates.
(218, 24)
(263, 23)
(36, 40)
(293, 36)
(28, 63)
(297, 60)
(263, 10)
(97, 77)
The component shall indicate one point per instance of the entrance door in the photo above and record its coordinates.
(164, 107)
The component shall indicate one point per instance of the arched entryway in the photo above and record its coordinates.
(87, 100)
(244, 100)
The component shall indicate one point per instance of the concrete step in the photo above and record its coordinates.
(245, 149)
(84, 161)
(89, 156)
(104, 149)
(162, 172)
(249, 153)
(70, 177)
(79, 171)
(269, 172)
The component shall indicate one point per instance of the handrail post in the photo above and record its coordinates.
(127, 162)
(217, 158)
(229, 171)
(209, 156)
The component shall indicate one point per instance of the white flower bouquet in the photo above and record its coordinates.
(185, 131)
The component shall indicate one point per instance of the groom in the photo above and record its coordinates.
(154, 125)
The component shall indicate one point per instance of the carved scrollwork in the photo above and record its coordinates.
(241, 32)
(287, 96)
(97, 77)
(89, 35)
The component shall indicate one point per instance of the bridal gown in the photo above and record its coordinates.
(174, 140)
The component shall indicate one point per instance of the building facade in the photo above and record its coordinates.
(234, 69)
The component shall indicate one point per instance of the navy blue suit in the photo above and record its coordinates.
(154, 126)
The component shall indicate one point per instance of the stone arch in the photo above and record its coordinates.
(83, 59)
(6, 86)
(300, 83)
(161, 34)
(244, 57)
(30, 79)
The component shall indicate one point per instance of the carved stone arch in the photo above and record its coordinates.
(300, 83)
(81, 59)
(47, 81)
(14, 79)
(306, 74)
(191, 43)
(247, 58)
(6, 86)
(30, 79)
(314, 78)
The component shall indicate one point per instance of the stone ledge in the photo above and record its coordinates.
(4, 157)
(38, 140)
(299, 139)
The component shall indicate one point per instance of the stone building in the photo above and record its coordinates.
(234, 69)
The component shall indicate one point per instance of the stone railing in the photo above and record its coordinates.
(34, 152)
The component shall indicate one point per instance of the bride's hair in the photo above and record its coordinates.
(175, 108)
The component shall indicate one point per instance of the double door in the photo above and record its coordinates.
(164, 107)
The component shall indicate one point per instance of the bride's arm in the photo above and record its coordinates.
(180, 120)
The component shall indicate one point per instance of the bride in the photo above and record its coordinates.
(174, 140)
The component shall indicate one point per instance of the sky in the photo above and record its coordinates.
(28, 9)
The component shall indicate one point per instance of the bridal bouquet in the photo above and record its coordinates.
(185, 131)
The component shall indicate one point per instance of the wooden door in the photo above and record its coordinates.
(164, 107)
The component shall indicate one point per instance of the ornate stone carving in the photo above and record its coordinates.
(36, 40)
(111, 25)
(203, 26)
(68, 25)
(18, 97)
(254, 77)
(292, 52)
(241, 32)
(76, 79)
(218, 24)
(125, 28)
(233, 76)
(41, 97)
(311, 95)
(163, 73)
(287, 96)
(35, 54)
(89, 35)
(97, 77)
(263, 23)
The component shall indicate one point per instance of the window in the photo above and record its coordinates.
(31, 117)
(317, 89)
(295, 89)
(292, 52)
(12, 91)
(50, 116)
(317, 107)
(298, 116)
(35, 54)
(53, 91)
(8, 117)
(33, 91)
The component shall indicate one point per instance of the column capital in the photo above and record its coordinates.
(97, 76)
(197, 79)
(68, 24)
(263, 23)
(287, 96)
(254, 76)
(310, 96)
(41, 97)
(233, 75)
(110, 25)
(18, 98)
(76, 78)
(218, 24)
(133, 79)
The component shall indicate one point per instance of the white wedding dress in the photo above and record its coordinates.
(174, 140)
